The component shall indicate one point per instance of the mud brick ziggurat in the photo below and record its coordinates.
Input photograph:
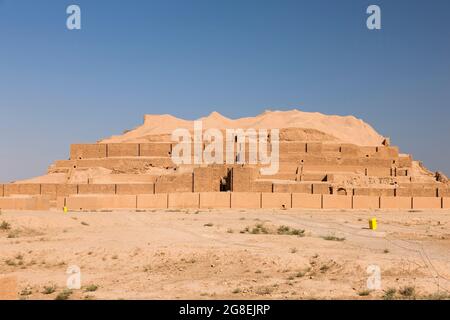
(325, 162)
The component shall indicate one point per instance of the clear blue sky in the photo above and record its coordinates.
(189, 58)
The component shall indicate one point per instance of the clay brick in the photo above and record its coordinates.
(367, 162)
(276, 201)
(174, 183)
(395, 202)
(336, 202)
(155, 149)
(321, 188)
(49, 189)
(404, 161)
(66, 190)
(138, 188)
(87, 151)
(444, 192)
(2, 188)
(261, 186)
(314, 147)
(416, 192)
(292, 147)
(36, 203)
(401, 172)
(29, 189)
(215, 200)
(245, 200)
(374, 192)
(366, 202)
(331, 148)
(184, 200)
(426, 203)
(123, 150)
(379, 172)
(314, 177)
(387, 152)
(124, 163)
(207, 179)
(242, 178)
(306, 201)
(152, 201)
(446, 203)
(96, 189)
(123, 179)
(103, 202)
(60, 202)
(350, 151)
(292, 187)
(22, 189)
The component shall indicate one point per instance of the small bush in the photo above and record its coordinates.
(49, 289)
(91, 288)
(364, 293)
(285, 230)
(5, 226)
(64, 295)
(209, 224)
(26, 292)
(10, 262)
(407, 291)
(333, 238)
(264, 290)
(389, 294)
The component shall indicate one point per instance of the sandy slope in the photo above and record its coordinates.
(204, 255)
(346, 129)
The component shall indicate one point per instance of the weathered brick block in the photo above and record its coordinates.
(102, 202)
(336, 202)
(174, 183)
(426, 203)
(96, 189)
(276, 201)
(215, 200)
(292, 187)
(306, 201)
(138, 188)
(366, 202)
(321, 188)
(155, 149)
(245, 200)
(87, 151)
(123, 150)
(446, 203)
(395, 202)
(22, 189)
(184, 200)
(152, 201)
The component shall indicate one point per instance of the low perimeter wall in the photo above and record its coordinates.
(239, 200)
(25, 203)
(222, 200)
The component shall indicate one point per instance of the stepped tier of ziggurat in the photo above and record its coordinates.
(325, 162)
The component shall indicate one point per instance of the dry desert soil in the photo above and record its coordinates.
(226, 254)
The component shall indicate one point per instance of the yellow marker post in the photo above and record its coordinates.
(65, 209)
(373, 224)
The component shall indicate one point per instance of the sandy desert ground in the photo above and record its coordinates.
(226, 254)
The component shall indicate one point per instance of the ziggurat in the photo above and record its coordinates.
(317, 170)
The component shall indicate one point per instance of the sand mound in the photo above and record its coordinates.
(344, 128)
